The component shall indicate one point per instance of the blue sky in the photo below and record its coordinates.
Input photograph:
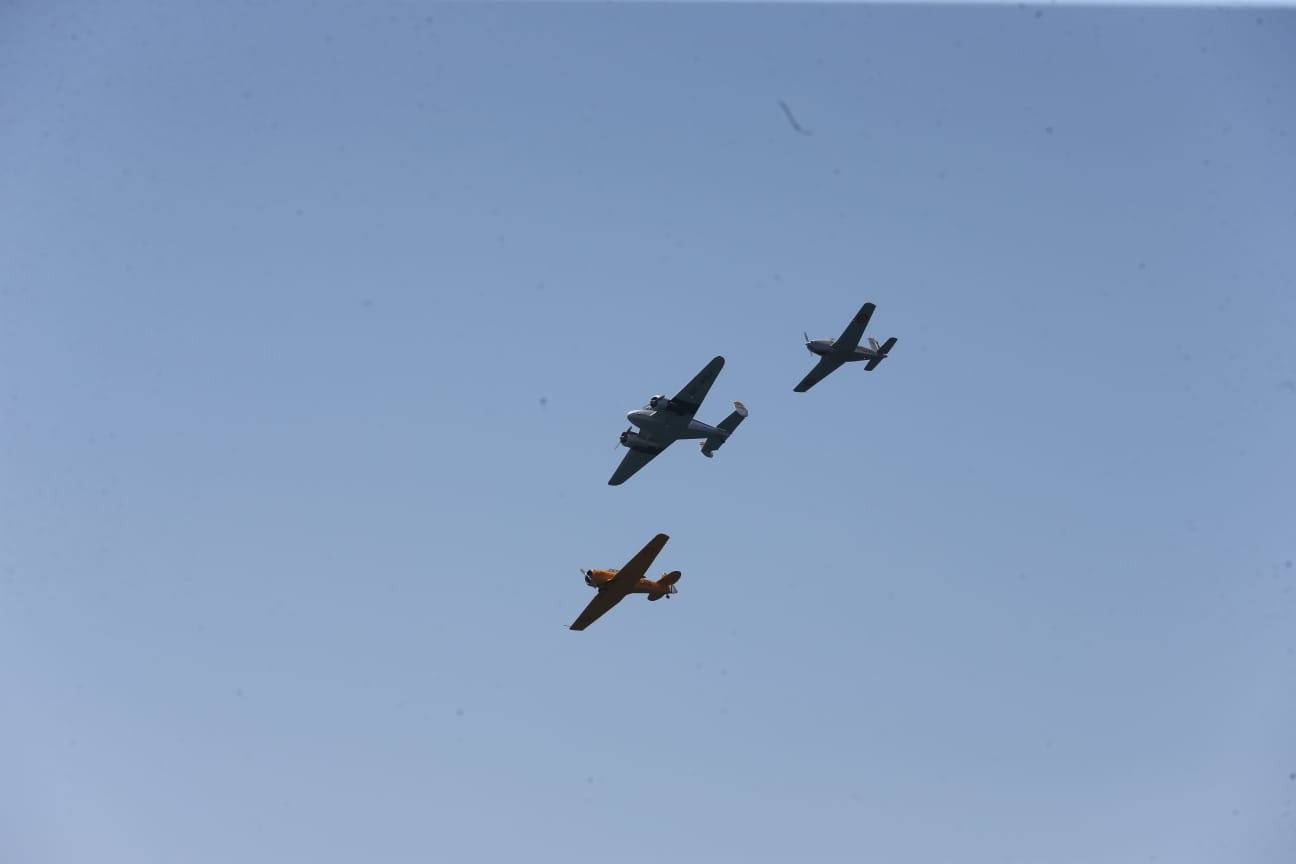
(318, 324)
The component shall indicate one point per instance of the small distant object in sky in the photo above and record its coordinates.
(544, 400)
(845, 348)
(791, 118)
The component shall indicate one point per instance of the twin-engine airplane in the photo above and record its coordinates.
(845, 349)
(664, 421)
(614, 585)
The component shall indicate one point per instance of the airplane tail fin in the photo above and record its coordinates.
(727, 425)
(882, 351)
(667, 584)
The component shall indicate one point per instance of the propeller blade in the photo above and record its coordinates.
(806, 336)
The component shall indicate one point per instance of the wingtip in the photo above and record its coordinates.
(741, 409)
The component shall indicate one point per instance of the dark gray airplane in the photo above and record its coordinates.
(664, 421)
(845, 349)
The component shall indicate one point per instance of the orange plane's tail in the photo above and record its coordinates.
(667, 585)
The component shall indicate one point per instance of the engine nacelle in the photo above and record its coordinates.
(632, 439)
(659, 403)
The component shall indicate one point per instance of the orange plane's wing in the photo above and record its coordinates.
(637, 567)
(602, 602)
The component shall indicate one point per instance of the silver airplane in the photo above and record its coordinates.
(664, 421)
(845, 349)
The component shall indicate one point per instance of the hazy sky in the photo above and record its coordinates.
(319, 322)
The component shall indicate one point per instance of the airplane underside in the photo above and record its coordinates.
(654, 427)
(663, 421)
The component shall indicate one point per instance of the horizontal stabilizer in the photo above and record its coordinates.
(882, 352)
(727, 425)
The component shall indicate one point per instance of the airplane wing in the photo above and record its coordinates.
(635, 459)
(818, 373)
(602, 602)
(637, 566)
(626, 579)
(689, 400)
(850, 337)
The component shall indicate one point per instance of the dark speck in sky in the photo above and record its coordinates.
(787, 112)
(544, 400)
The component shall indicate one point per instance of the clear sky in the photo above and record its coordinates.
(318, 325)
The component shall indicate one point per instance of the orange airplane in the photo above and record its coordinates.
(614, 585)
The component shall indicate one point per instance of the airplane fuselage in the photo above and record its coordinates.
(672, 426)
(827, 348)
(665, 585)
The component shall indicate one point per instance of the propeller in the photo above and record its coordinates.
(621, 438)
(805, 336)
